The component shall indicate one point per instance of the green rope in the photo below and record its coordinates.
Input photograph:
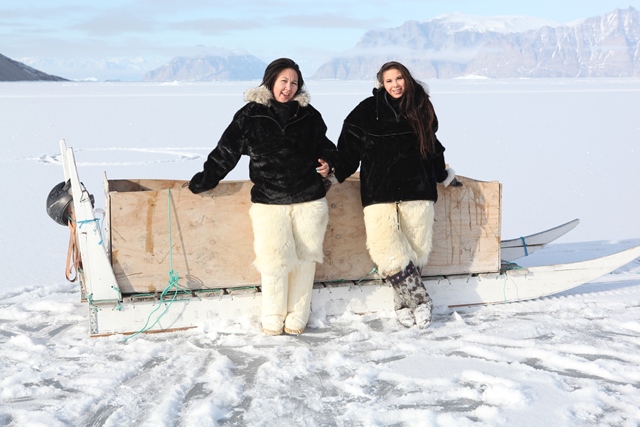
(118, 305)
(173, 281)
(504, 289)
(96, 228)
(373, 270)
(92, 306)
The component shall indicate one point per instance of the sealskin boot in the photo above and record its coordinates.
(422, 314)
(413, 295)
(403, 313)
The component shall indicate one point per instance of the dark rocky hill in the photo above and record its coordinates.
(14, 71)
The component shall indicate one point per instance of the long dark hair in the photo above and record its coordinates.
(276, 66)
(416, 106)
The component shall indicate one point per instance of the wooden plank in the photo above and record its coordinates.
(130, 185)
(345, 251)
(210, 245)
(466, 232)
(211, 240)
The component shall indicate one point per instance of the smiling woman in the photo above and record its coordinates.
(391, 136)
(285, 140)
(393, 83)
(285, 86)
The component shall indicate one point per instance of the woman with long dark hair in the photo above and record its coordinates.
(391, 136)
(285, 139)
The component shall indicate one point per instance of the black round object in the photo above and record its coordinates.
(58, 203)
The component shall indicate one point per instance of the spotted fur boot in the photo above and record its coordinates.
(404, 315)
(413, 295)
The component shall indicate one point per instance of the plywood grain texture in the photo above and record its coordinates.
(158, 225)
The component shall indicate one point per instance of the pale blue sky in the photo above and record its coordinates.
(311, 32)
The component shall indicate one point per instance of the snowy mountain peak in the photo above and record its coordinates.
(225, 66)
(458, 45)
(498, 24)
(619, 17)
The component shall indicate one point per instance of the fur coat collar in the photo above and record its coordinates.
(263, 95)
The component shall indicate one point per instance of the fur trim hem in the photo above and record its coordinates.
(450, 175)
(262, 95)
(285, 235)
(390, 248)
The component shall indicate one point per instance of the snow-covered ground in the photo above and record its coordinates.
(562, 149)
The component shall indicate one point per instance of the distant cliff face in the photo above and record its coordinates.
(14, 71)
(607, 46)
(209, 68)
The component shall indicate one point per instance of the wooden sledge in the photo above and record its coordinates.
(168, 259)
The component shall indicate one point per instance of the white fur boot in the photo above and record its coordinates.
(274, 303)
(299, 300)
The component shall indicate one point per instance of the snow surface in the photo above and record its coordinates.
(562, 149)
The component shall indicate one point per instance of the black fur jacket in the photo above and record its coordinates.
(385, 147)
(283, 142)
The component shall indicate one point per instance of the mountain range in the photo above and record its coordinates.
(460, 46)
(94, 68)
(201, 68)
(449, 46)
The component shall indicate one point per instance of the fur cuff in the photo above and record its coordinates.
(450, 175)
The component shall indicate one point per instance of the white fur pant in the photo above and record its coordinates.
(399, 233)
(288, 244)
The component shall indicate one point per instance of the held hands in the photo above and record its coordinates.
(326, 172)
(324, 169)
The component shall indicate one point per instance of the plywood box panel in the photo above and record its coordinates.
(158, 225)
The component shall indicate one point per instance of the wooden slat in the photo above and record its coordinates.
(211, 241)
(466, 233)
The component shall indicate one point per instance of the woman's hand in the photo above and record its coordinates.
(324, 169)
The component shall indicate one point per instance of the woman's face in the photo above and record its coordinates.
(286, 85)
(393, 83)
